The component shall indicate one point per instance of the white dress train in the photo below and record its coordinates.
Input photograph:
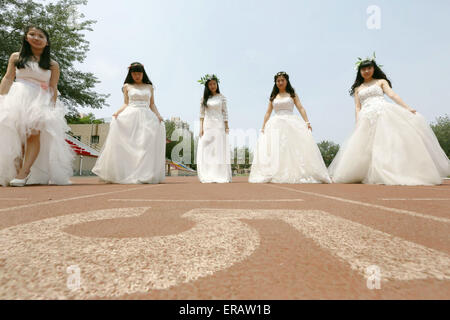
(286, 152)
(390, 146)
(213, 150)
(25, 110)
(135, 149)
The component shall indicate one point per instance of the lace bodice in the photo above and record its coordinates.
(139, 96)
(283, 105)
(32, 72)
(370, 95)
(217, 108)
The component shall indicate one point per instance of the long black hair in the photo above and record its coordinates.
(26, 53)
(289, 88)
(207, 93)
(377, 74)
(137, 67)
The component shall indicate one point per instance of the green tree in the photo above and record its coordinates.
(67, 28)
(441, 129)
(75, 118)
(170, 128)
(328, 149)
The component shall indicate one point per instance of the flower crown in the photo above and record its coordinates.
(207, 78)
(136, 65)
(281, 73)
(360, 61)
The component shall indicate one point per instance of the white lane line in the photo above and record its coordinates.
(43, 203)
(442, 188)
(416, 199)
(206, 200)
(400, 211)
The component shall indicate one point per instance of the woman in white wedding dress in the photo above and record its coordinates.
(32, 123)
(213, 151)
(135, 149)
(391, 144)
(286, 151)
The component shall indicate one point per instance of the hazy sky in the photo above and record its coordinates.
(245, 42)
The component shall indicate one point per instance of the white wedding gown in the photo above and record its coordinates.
(389, 145)
(26, 109)
(135, 149)
(286, 152)
(213, 150)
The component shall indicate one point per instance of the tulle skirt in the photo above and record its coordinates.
(26, 110)
(135, 149)
(213, 153)
(390, 146)
(287, 153)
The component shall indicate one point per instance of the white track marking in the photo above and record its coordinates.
(400, 211)
(206, 200)
(416, 199)
(43, 203)
(445, 187)
(34, 256)
(360, 246)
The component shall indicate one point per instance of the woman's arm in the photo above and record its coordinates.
(395, 97)
(202, 117)
(10, 74)
(54, 67)
(302, 111)
(153, 106)
(267, 115)
(357, 105)
(125, 104)
(225, 113)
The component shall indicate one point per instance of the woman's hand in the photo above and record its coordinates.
(412, 110)
(262, 130)
(116, 114)
(227, 130)
(309, 126)
(201, 132)
(160, 119)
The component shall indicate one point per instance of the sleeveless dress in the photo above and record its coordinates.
(286, 152)
(135, 149)
(213, 150)
(389, 145)
(26, 109)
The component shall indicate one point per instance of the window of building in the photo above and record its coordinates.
(95, 139)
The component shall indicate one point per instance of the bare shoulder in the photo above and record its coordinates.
(54, 65)
(382, 82)
(14, 57)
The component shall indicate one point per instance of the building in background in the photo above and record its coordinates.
(87, 141)
(91, 137)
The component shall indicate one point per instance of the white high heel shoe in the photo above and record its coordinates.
(19, 182)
